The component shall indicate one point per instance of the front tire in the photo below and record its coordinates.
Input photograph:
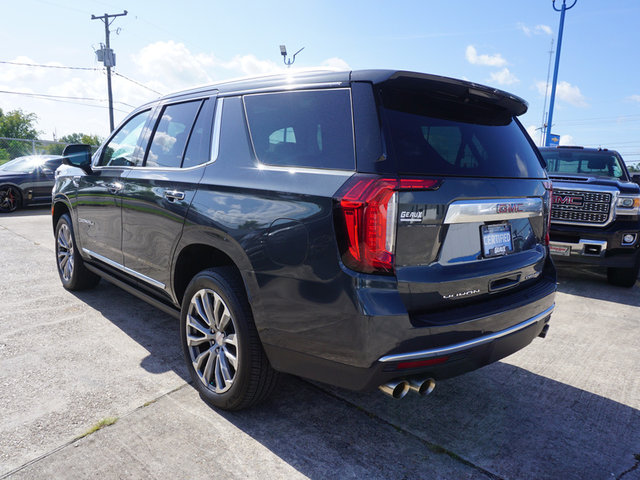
(73, 274)
(10, 199)
(220, 343)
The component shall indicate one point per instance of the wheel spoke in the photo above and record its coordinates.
(208, 368)
(220, 384)
(195, 324)
(224, 370)
(230, 357)
(231, 340)
(197, 302)
(208, 310)
(224, 320)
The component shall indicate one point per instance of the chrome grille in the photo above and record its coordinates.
(577, 206)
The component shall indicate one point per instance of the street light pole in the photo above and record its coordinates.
(555, 68)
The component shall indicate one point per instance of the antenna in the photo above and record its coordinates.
(283, 52)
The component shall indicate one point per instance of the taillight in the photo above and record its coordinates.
(368, 207)
(548, 204)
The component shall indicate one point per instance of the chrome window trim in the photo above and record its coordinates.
(164, 169)
(469, 211)
(286, 88)
(457, 347)
(311, 170)
(124, 269)
(217, 127)
(287, 168)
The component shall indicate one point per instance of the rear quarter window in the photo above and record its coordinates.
(302, 129)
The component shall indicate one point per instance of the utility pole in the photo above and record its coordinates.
(555, 68)
(543, 137)
(108, 58)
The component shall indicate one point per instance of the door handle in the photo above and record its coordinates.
(115, 187)
(173, 195)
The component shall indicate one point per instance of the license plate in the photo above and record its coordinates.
(560, 250)
(496, 240)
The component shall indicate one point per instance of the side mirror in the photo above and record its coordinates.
(636, 178)
(78, 155)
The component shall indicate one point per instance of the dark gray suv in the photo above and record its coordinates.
(365, 229)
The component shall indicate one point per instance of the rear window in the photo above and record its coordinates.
(302, 129)
(432, 137)
(580, 162)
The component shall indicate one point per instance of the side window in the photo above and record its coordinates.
(302, 129)
(198, 149)
(171, 134)
(123, 149)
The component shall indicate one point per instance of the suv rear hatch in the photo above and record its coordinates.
(459, 212)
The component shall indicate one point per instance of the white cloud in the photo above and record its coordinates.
(504, 77)
(567, 140)
(494, 60)
(535, 132)
(537, 30)
(565, 92)
(635, 98)
(335, 62)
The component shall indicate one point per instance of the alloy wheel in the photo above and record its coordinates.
(211, 340)
(64, 246)
(8, 199)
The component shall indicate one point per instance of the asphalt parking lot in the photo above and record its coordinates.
(566, 407)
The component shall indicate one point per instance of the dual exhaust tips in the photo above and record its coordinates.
(399, 388)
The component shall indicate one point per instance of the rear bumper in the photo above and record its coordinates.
(438, 345)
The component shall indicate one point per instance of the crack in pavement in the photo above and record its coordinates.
(83, 436)
(634, 467)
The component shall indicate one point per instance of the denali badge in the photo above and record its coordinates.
(568, 200)
(461, 294)
(406, 216)
(509, 207)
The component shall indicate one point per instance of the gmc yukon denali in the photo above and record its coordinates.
(366, 229)
(595, 213)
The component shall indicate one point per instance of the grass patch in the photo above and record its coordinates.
(105, 422)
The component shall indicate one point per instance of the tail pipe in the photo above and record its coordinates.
(399, 388)
(395, 389)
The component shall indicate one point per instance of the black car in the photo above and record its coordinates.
(27, 181)
(365, 229)
(595, 216)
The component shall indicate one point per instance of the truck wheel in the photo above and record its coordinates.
(73, 273)
(623, 277)
(220, 342)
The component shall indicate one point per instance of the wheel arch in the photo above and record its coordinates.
(60, 207)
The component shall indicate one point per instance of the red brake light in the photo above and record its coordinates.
(368, 209)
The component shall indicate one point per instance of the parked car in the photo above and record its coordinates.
(365, 229)
(27, 181)
(595, 216)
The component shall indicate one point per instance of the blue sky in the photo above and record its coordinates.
(169, 46)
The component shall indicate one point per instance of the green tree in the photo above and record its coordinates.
(16, 124)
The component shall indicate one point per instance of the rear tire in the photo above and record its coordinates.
(220, 342)
(623, 277)
(10, 199)
(73, 274)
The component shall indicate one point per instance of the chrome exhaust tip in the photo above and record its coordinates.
(395, 389)
(422, 386)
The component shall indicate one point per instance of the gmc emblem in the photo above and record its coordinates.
(509, 207)
(568, 200)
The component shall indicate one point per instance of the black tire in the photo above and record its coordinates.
(220, 343)
(73, 274)
(623, 277)
(10, 199)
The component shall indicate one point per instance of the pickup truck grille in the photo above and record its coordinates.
(576, 206)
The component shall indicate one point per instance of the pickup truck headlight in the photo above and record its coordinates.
(628, 205)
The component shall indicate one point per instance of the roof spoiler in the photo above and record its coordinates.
(457, 90)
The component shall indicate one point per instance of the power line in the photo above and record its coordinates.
(137, 83)
(43, 95)
(64, 67)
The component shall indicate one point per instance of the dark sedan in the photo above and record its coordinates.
(27, 181)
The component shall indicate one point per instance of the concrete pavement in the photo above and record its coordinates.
(564, 407)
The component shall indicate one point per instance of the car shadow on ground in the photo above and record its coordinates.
(504, 420)
(591, 282)
(501, 421)
(152, 329)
